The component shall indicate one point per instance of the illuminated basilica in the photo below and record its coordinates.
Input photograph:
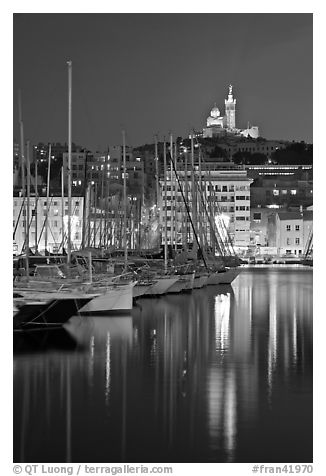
(217, 124)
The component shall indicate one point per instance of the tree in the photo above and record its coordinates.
(296, 153)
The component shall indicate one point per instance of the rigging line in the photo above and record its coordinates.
(18, 218)
(229, 243)
(183, 197)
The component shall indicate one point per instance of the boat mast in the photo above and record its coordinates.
(47, 201)
(124, 201)
(62, 209)
(165, 209)
(177, 206)
(172, 193)
(22, 155)
(28, 183)
(193, 190)
(69, 63)
(36, 206)
(156, 175)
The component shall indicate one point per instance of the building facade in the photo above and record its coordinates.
(48, 223)
(289, 232)
(224, 195)
(217, 124)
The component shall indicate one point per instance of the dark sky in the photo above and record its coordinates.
(156, 73)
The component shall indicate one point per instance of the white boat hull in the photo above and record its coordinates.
(161, 286)
(141, 289)
(114, 299)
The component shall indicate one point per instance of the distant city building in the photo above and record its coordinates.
(217, 124)
(54, 210)
(41, 151)
(289, 231)
(226, 188)
(282, 191)
(88, 167)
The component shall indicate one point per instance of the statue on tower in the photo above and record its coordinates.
(230, 90)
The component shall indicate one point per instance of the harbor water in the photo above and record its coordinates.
(223, 374)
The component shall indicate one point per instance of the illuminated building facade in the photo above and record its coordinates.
(290, 231)
(224, 190)
(217, 124)
(53, 209)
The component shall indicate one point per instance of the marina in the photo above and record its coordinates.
(162, 281)
(223, 374)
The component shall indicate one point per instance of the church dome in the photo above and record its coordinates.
(215, 112)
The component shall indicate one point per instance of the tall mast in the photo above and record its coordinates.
(107, 201)
(186, 194)
(124, 200)
(22, 154)
(69, 63)
(156, 175)
(193, 190)
(176, 200)
(47, 201)
(62, 209)
(165, 210)
(101, 207)
(36, 206)
(172, 193)
(27, 207)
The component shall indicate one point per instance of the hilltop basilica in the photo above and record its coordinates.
(217, 124)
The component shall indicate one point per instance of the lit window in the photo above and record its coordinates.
(293, 192)
(276, 192)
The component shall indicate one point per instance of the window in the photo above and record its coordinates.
(240, 197)
(13, 223)
(55, 203)
(276, 192)
(288, 241)
(241, 218)
(55, 223)
(284, 192)
(257, 216)
(293, 192)
(297, 241)
(55, 212)
(288, 227)
(224, 188)
(297, 227)
(77, 204)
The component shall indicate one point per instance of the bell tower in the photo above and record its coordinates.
(230, 110)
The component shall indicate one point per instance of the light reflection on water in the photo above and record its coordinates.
(221, 375)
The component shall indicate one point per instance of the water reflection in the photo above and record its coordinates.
(219, 375)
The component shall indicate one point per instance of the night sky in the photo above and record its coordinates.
(155, 73)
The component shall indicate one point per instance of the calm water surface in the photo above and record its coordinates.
(221, 375)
